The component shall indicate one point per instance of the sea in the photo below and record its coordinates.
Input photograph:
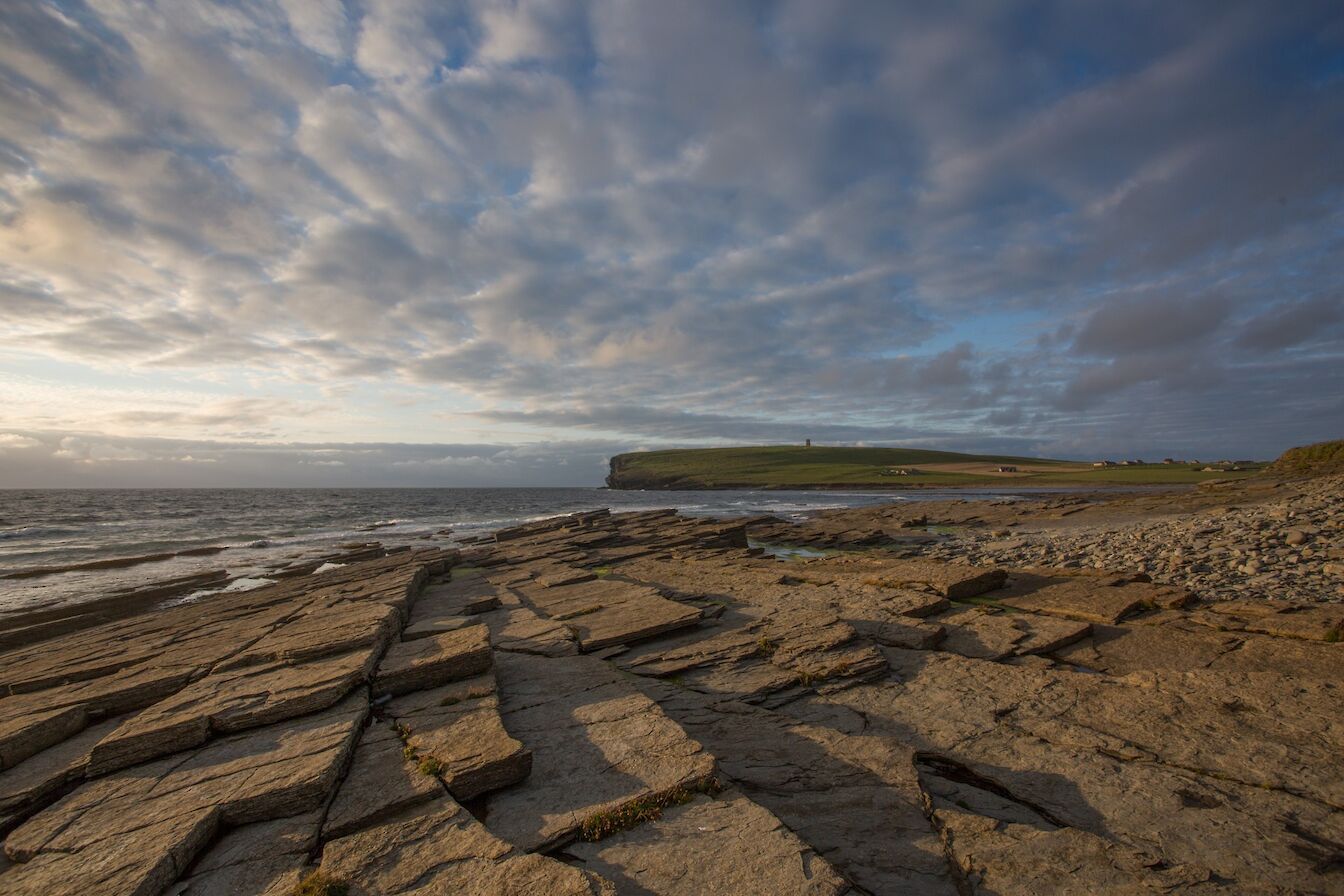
(263, 529)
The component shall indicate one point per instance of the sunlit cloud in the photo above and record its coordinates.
(1067, 231)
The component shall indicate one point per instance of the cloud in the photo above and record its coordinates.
(1293, 323)
(320, 25)
(231, 414)
(14, 442)
(84, 450)
(686, 426)
(700, 222)
(398, 39)
(101, 459)
(1147, 324)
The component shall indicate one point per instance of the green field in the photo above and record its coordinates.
(795, 466)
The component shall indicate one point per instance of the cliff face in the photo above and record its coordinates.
(614, 472)
(626, 475)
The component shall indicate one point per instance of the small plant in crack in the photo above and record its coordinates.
(765, 647)
(645, 809)
(431, 767)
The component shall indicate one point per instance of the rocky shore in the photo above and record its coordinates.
(643, 703)
(1270, 539)
(1287, 547)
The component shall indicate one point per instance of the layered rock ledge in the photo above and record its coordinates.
(643, 703)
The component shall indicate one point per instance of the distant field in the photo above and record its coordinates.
(793, 466)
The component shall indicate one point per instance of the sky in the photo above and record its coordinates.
(413, 242)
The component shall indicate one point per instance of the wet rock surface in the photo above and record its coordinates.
(646, 704)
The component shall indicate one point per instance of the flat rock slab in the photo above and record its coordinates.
(206, 635)
(1317, 622)
(458, 727)
(728, 845)
(381, 783)
(826, 786)
(229, 701)
(32, 722)
(985, 634)
(597, 745)
(906, 602)
(602, 613)
(448, 851)
(436, 625)
(914, 635)
(263, 858)
(759, 655)
(1120, 650)
(27, 727)
(36, 782)
(1015, 858)
(559, 574)
(1141, 760)
(55, 688)
(1253, 609)
(735, 637)
(432, 661)
(1088, 600)
(458, 597)
(327, 628)
(951, 580)
(138, 830)
(520, 630)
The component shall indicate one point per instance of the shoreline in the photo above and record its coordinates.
(259, 550)
(987, 486)
(634, 697)
(1263, 538)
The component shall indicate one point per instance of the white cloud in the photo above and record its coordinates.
(94, 451)
(321, 25)
(513, 34)
(16, 442)
(397, 40)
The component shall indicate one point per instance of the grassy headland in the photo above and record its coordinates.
(796, 466)
(1320, 459)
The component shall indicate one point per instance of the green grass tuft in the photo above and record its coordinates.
(636, 812)
(431, 767)
(764, 647)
